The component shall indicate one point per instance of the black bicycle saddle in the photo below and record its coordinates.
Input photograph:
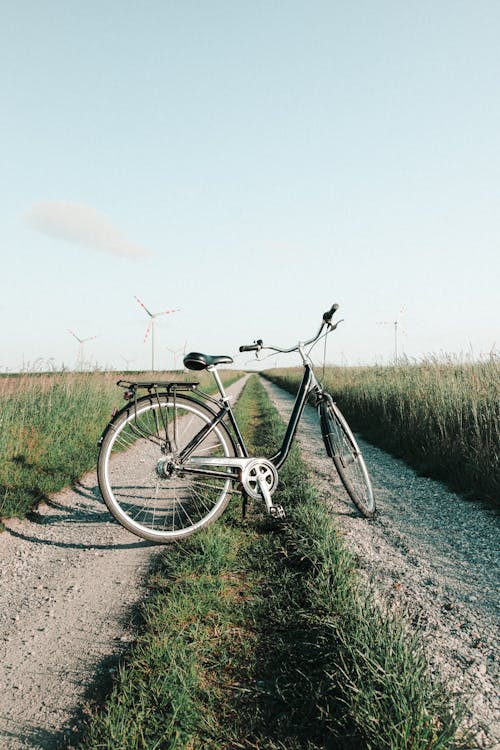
(198, 361)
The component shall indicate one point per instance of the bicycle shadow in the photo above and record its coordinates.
(83, 512)
(84, 506)
(30, 736)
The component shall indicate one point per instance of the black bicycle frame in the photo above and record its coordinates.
(307, 386)
(201, 435)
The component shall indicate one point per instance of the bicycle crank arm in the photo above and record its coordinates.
(276, 511)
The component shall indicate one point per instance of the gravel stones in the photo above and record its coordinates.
(429, 555)
(70, 580)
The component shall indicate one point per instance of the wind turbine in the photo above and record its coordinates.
(81, 346)
(127, 362)
(151, 327)
(396, 324)
(176, 352)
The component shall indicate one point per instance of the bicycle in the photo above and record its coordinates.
(170, 459)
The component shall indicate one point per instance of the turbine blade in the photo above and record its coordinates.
(148, 330)
(166, 312)
(144, 306)
(75, 336)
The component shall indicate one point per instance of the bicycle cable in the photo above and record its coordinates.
(324, 361)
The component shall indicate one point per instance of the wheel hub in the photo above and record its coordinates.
(166, 467)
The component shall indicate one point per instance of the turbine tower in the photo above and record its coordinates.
(81, 347)
(151, 327)
(396, 324)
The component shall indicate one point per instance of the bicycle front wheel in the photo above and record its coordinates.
(343, 449)
(140, 472)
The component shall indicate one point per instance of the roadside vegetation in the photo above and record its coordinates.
(442, 417)
(259, 635)
(50, 424)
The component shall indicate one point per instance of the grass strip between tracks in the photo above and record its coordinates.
(258, 635)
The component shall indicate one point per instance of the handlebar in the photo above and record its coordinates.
(252, 347)
(327, 318)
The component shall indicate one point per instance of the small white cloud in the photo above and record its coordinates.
(83, 225)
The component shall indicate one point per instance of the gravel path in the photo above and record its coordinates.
(433, 556)
(70, 581)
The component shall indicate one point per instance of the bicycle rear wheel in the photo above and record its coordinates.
(140, 471)
(343, 449)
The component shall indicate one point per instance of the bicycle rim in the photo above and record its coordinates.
(342, 447)
(141, 497)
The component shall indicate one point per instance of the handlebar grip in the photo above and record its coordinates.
(330, 313)
(252, 347)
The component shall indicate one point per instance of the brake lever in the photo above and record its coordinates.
(333, 327)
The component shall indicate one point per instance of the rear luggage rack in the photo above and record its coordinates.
(154, 386)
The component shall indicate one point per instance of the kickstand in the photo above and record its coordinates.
(244, 505)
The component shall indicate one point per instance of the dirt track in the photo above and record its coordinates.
(70, 580)
(431, 554)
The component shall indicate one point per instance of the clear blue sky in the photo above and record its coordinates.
(249, 163)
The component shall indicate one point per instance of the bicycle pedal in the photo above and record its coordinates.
(277, 511)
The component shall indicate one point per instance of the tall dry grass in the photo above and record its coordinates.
(50, 424)
(442, 416)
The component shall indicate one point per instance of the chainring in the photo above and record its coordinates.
(258, 470)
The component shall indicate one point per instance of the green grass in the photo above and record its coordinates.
(443, 418)
(50, 425)
(258, 635)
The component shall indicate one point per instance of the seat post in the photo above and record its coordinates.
(213, 370)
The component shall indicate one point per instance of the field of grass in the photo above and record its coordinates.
(443, 418)
(257, 635)
(50, 424)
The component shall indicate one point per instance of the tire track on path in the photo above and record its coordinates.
(432, 556)
(70, 580)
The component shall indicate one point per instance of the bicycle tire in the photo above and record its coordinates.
(343, 449)
(153, 506)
